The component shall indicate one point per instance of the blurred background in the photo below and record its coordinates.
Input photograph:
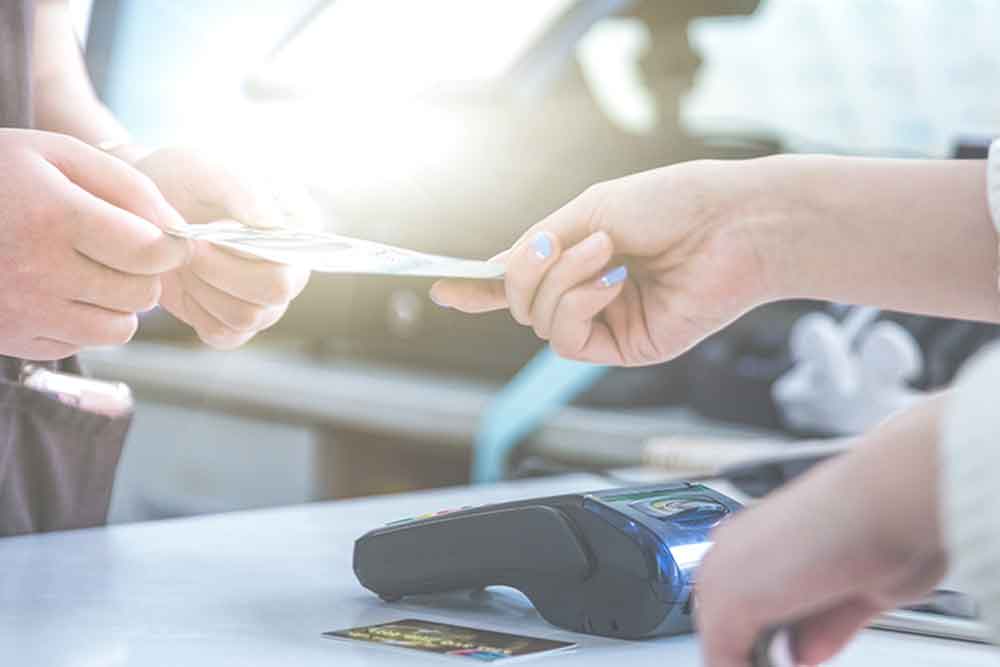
(449, 126)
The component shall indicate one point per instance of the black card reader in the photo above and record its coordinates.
(617, 563)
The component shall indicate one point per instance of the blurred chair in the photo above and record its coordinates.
(542, 387)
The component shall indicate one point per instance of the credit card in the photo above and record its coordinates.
(333, 253)
(450, 640)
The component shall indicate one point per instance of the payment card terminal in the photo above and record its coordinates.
(618, 563)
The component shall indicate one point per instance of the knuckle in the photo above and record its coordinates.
(216, 335)
(125, 329)
(517, 309)
(144, 186)
(89, 288)
(565, 348)
(520, 314)
(270, 316)
(520, 318)
(282, 286)
(593, 203)
(595, 196)
(245, 318)
(574, 305)
(217, 342)
(226, 340)
(214, 331)
(641, 352)
(595, 191)
(560, 347)
(144, 195)
(519, 277)
(149, 293)
(540, 330)
(647, 355)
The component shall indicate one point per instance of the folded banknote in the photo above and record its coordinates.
(332, 253)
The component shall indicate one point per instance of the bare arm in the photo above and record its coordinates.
(697, 244)
(226, 299)
(911, 235)
(859, 535)
(64, 97)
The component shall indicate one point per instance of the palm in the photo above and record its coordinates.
(676, 298)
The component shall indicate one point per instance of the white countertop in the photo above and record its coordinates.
(259, 588)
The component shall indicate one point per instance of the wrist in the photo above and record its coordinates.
(759, 208)
(781, 216)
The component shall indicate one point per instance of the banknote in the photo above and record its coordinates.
(332, 253)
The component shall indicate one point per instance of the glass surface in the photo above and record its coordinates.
(673, 542)
(695, 512)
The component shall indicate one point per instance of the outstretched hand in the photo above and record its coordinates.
(228, 297)
(633, 271)
(855, 537)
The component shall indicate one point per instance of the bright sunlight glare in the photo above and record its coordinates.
(399, 48)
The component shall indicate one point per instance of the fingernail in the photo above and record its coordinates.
(615, 276)
(171, 227)
(594, 242)
(438, 303)
(169, 218)
(542, 245)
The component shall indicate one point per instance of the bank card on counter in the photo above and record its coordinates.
(327, 252)
(451, 641)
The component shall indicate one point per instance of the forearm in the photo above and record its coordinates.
(900, 457)
(912, 235)
(65, 101)
(63, 105)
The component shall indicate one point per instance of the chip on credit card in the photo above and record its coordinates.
(450, 640)
(333, 253)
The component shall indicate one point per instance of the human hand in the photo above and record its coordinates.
(633, 271)
(80, 246)
(855, 537)
(225, 296)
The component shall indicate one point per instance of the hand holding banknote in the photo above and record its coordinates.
(633, 271)
(226, 296)
(81, 246)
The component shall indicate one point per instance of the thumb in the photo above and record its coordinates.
(243, 195)
(204, 189)
(821, 636)
(472, 296)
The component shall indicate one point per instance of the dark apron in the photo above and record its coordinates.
(57, 462)
(15, 62)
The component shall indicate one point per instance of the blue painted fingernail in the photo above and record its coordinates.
(542, 245)
(615, 276)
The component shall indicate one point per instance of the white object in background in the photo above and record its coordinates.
(609, 56)
(854, 76)
(847, 376)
